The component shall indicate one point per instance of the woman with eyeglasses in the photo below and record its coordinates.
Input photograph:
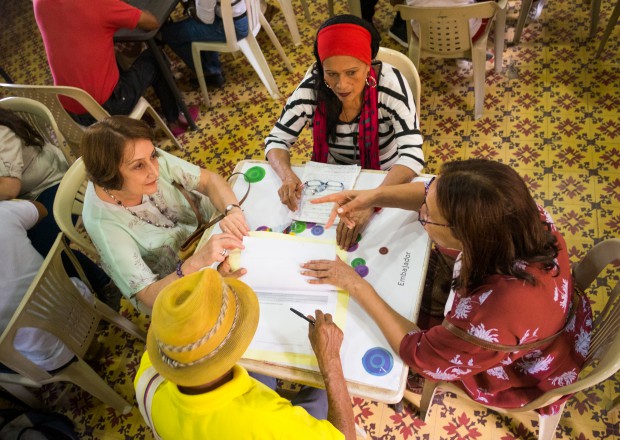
(361, 112)
(513, 327)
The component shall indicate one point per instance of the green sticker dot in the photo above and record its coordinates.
(255, 174)
(358, 262)
(298, 227)
(359, 237)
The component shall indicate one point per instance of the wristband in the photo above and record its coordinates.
(180, 273)
(230, 208)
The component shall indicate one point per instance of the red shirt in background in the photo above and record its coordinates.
(78, 37)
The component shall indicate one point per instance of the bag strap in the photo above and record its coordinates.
(145, 391)
(460, 333)
(192, 202)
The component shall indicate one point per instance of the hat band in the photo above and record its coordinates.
(177, 364)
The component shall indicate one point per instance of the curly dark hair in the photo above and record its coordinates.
(333, 106)
(21, 128)
(496, 219)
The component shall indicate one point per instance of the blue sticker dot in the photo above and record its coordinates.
(378, 361)
(362, 270)
(317, 230)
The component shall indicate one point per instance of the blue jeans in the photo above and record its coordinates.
(313, 400)
(132, 84)
(181, 34)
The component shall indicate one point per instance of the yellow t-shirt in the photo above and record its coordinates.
(242, 408)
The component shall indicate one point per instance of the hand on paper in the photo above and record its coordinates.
(326, 339)
(346, 236)
(216, 250)
(234, 223)
(335, 272)
(347, 205)
(290, 191)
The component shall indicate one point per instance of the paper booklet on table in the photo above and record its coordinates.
(272, 261)
(321, 179)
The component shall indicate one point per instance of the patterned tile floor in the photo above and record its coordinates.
(557, 123)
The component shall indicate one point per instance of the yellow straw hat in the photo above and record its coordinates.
(200, 327)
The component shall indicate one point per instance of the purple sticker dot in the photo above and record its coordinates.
(353, 248)
(317, 230)
(264, 228)
(362, 270)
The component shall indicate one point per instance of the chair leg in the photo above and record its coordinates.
(272, 36)
(478, 55)
(123, 323)
(291, 21)
(428, 391)
(82, 375)
(355, 8)
(330, 7)
(613, 21)
(525, 9)
(250, 48)
(161, 124)
(22, 394)
(500, 33)
(595, 15)
(200, 74)
(548, 424)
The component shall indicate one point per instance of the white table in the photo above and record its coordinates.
(395, 250)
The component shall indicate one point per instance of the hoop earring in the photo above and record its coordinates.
(327, 85)
(371, 82)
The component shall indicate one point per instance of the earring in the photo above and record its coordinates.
(326, 85)
(371, 82)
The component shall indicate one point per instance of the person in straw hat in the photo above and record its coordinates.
(190, 386)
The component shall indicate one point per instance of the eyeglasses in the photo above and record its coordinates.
(423, 218)
(317, 186)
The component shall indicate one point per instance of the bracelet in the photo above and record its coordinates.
(180, 273)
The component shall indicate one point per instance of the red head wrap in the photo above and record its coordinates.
(344, 39)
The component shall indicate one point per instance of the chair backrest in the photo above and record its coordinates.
(39, 117)
(48, 95)
(404, 64)
(444, 30)
(54, 304)
(603, 358)
(69, 202)
(253, 13)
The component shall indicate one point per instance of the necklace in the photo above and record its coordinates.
(146, 220)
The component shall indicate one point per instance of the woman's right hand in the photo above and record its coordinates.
(347, 204)
(216, 250)
(290, 191)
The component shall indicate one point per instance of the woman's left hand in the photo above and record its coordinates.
(345, 236)
(234, 223)
(335, 272)
(225, 270)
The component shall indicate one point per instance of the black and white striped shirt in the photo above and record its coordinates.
(400, 140)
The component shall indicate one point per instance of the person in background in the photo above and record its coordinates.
(205, 24)
(398, 29)
(19, 264)
(32, 169)
(361, 112)
(78, 38)
(190, 386)
(511, 288)
(138, 219)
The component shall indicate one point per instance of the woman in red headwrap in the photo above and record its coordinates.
(361, 112)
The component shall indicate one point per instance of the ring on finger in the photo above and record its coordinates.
(224, 253)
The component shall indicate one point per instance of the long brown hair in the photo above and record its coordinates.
(21, 128)
(496, 219)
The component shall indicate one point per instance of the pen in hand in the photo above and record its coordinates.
(301, 315)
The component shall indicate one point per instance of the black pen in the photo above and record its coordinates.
(298, 313)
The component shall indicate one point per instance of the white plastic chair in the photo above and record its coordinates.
(354, 8)
(48, 95)
(69, 202)
(55, 305)
(291, 19)
(603, 358)
(404, 64)
(248, 45)
(444, 33)
(40, 118)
